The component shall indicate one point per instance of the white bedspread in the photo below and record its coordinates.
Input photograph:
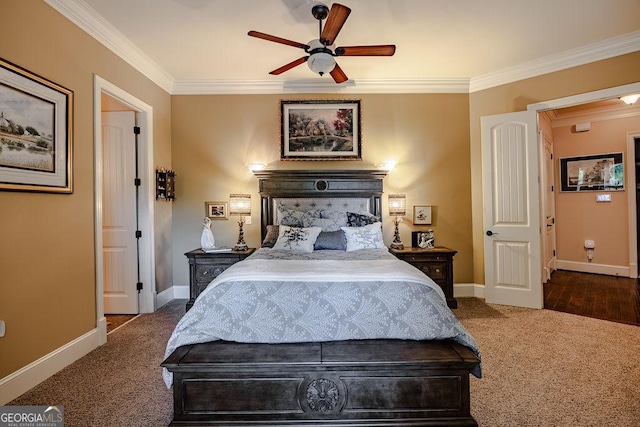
(264, 299)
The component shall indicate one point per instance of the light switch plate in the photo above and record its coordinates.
(603, 198)
(1, 328)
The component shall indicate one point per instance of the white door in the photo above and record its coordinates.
(120, 255)
(511, 210)
(547, 200)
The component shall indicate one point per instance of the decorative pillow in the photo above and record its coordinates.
(326, 224)
(296, 238)
(294, 218)
(360, 219)
(365, 237)
(271, 237)
(334, 240)
(339, 217)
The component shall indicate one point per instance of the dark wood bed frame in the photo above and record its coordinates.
(339, 383)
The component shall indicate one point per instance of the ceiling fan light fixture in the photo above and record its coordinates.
(321, 63)
(630, 99)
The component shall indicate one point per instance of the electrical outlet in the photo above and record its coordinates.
(2, 328)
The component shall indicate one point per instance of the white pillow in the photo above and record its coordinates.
(365, 237)
(296, 238)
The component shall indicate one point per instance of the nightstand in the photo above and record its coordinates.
(436, 263)
(204, 267)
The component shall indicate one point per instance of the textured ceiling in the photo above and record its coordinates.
(437, 40)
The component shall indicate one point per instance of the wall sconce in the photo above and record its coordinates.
(387, 166)
(630, 99)
(240, 204)
(397, 207)
(256, 166)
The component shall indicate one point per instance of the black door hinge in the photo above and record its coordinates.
(139, 286)
(138, 234)
(554, 252)
(136, 130)
(137, 182)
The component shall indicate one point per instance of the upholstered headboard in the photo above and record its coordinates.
(357, 190)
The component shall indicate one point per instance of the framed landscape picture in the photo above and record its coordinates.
(36, 127)
(592, 173)
(320, 130)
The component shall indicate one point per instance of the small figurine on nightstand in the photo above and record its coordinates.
(207, 242)
(427, 240)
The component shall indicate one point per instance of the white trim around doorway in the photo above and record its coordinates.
(614, 92)
(144, 119)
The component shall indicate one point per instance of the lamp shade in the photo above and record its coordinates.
(240, 204)
(397, 204)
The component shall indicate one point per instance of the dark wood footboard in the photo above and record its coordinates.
(341, 383)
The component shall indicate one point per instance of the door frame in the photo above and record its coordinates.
(583, 98)
(632, 195)
(144, 119)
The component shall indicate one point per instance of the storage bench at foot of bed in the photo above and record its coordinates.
(363, 383)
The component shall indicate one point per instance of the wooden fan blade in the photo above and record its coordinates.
(337, 16)
(338, 75)
(289, 66)
(379, 50)
(278, 40)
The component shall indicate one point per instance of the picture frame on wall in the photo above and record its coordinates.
(36, 132)
(592, 173)
(320, 130)
(216, 210)
(422, 215)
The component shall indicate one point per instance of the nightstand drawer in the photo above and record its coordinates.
(206, 273)
(424, 257)
(435, 270)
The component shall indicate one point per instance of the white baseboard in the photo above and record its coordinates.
(589, 267)
(24, 379)
(174, 292)
(468, 290)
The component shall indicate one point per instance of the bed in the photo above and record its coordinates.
(322, 325)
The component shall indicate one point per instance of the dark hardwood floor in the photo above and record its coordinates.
(594, 295)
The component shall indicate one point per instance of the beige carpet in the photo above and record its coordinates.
(541, 368)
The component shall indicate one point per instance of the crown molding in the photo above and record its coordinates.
(227, 87)
(605, 49)
(596, 114)
(78, 12)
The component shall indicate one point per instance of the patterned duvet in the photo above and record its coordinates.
(279, 296)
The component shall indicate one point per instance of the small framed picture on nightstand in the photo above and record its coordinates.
(422, 215)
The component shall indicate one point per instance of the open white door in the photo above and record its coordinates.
(120, 255)
(511, 210)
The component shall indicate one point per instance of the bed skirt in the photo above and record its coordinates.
(339, 383)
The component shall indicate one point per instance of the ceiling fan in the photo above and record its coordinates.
(321, 52)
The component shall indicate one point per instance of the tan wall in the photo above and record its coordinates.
(515, 97)
(578, 216)
(215, 137)
(47, 259)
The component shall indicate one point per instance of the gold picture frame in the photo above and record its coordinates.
(36, 132)
(320, 130)
(216, 210)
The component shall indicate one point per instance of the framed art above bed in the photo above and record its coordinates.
(320, 130)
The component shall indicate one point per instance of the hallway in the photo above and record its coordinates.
(594, 295)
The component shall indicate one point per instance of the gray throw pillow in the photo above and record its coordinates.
(334, 240)
(271, 237)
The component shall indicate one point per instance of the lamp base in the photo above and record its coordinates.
(397, 245)
(240, 247)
